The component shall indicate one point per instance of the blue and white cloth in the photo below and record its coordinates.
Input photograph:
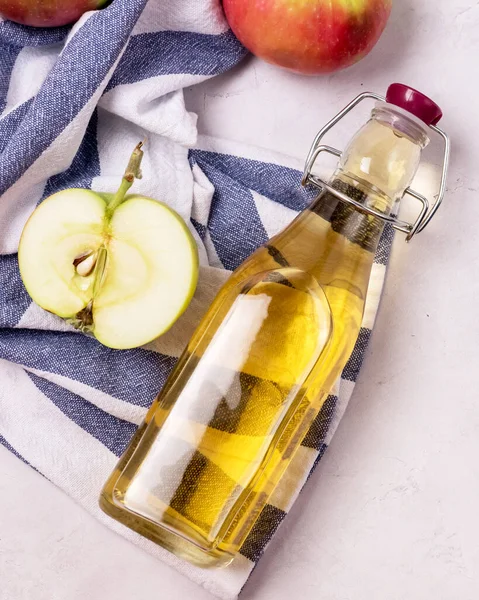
(73, 103)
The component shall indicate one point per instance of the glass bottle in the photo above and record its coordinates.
(262, 362)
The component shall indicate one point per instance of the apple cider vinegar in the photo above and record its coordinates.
(224, 429)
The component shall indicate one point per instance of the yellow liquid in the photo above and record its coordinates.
(254, 376)
(262, 362)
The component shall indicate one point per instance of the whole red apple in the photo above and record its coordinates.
(47, 13)
(308, 36)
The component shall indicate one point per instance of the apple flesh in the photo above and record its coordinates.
(308, 36)
(47, 13)
(124, 273)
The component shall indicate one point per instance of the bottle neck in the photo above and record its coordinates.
(332, 239)
(346, 220)
(384, 155)
(376, 168)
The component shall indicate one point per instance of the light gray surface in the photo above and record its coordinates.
(392, 511)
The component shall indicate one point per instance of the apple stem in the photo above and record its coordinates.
(132, 172)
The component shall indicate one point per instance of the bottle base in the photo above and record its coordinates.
(161, 536)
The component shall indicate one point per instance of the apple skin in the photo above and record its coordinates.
(308, 36)
(47, 13)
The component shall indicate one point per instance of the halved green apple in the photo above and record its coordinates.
(123, 268)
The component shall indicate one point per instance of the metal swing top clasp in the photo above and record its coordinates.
(424, 108)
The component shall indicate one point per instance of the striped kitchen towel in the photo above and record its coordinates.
(73, 103)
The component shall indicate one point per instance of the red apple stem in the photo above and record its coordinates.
(133, 171)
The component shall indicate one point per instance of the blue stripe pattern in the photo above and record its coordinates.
(234, 223)
(114, 433)
(8, 56)
(85, 165)
(14, 299)
(11, 122)
(353, 366)
(173, 52)
(64, 94)
(384, 246)
(200, 228)
(135, 376)
(278, 183)
(319, 429)
(22, 36)
(11, 449)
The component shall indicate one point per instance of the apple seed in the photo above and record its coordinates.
(85, 263)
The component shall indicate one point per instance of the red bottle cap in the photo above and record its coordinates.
(414, 102)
